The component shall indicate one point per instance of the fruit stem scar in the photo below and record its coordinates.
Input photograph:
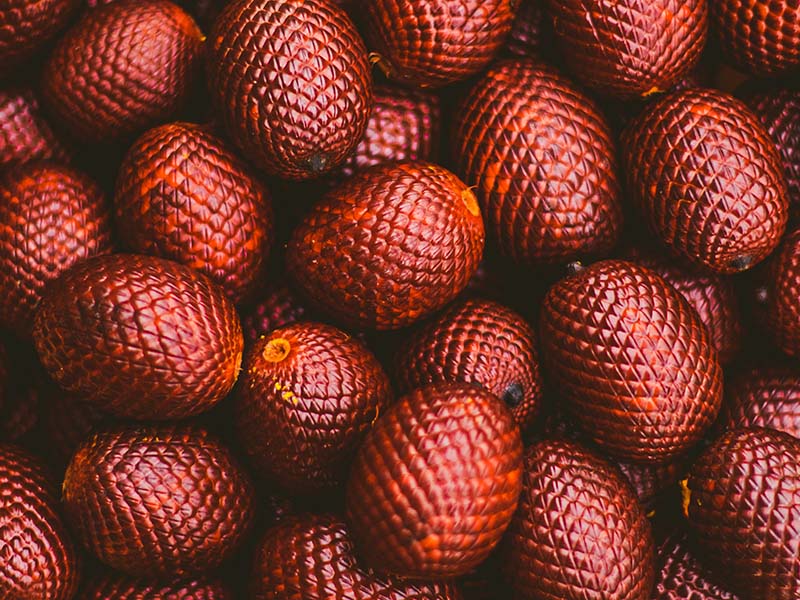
(471, 202)
(276, 350)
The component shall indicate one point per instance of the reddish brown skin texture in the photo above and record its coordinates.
(159, 502)
(118, 587)
(481, 342)
(51, 218)
(649, 481)
(39, 560)
(279, 306)
(743, 511)
(766, 397)
(708, 179)
(435, 483)
(542, 161)
(779, 308)
(309, 392)
(431, 43)
(139, 337)
(578, 532)
(630, 48)
(121, 69)
(680, 576)
(632, 361)
(292, 117)
(25, 134)
(526, 32)
(389, 246)
(183, 195)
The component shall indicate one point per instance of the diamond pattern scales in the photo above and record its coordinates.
(766, 397)
(25, 135)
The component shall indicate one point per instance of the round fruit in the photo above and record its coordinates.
(708, 179)
(292, 83)
(632, 361)
(435, 483)
(526, 32)
(542, 162)
(139, 337)
(118, 587)
(390, 245)
(679, 576)
(25, 135)
(768, 397)
(158, 502)
(779, 298)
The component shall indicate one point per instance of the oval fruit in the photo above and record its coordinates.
(779, 306)
(119, 587)
(25, 134)
(680, 576)
(767, 397)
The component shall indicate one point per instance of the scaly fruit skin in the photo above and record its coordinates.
(183, 195)
(780, 307)
(389, 246)
(166, 501)
(25, 135)
(541, 158)
(312, 556)
(681, 577)
(39, 560)
(51, 218)
(309, 393)
(118, 587)
(122, 68)
(431, 43)
(435, 482)
(579, 531)
(632, 360)
(481, 342)
(708, 179)
(139, 337)
(293, 117)
(649, 481)
(526, 32)
(278, 307)
(630, 48)
(767, 397)
(743, 508)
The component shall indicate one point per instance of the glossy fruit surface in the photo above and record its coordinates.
(140, 337)
(708, 179)
(165, 501)
(543, 164)
(435, 483)
(292, 83)
(119, 587)
(389, 246)
(779, 305)
(632, 360)
(767, 397)
(680, 576)
(579, 531)
(278, 306)
(25, 134)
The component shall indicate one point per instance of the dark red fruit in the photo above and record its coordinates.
(278, 307)
(632, 360)
(51, 218)
(768, 397)
(139, 337)
(435, 483)
(118, 587)
(390, 245)
(38, 559)
(742, 500)
(649, 481)
(780, 296)
(579, 531)
(68, 422)
(158, 502)
(25, 135)
(708, 179)
(122, 68)
(680, 576)
(526, 32)
(481, 342)
(542, 161)
(292, 83)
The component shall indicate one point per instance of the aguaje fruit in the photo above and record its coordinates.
(632, 361)
(742, 500)
(542, 162)
(309, 392)
(435, 483)
(578, 532)
(122, 68)
(164, 502)
(183, 195)
(278, 306)
(779, 299)
(291, 82)
(118, 587)
(767, 397)
(139, 337)
(25, 134)
(708, 179)
(38, 558)
(680, 576)
(388, 246)
(481, 342)
(526, 34)
(649, 481)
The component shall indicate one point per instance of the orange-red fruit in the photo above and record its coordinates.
(481, 342)
(118, 587)
(38, 558)
(430, 43)
(435, 483)
(390, 245)
(542, 161)
(630, 48)
(780, 296)
(632, 360)
(291, 81)
(579, 531)
(122, 68)
(158, 502)
(139, 337)
(680, 576)
(309, 393)
(767, 397)
(183, 195)
(51, 218)
(708, 179)
(25, 135)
